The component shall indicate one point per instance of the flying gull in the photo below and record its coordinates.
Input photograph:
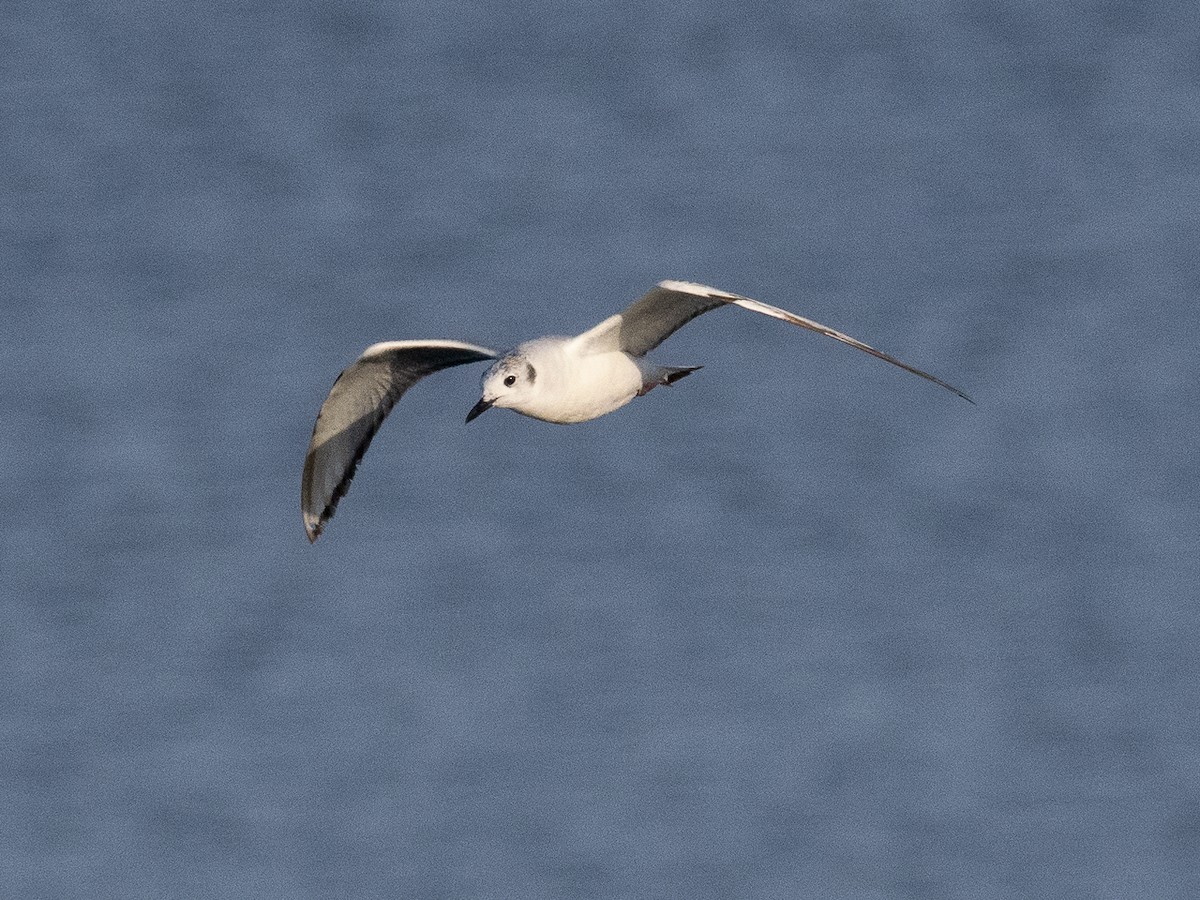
(555, 379)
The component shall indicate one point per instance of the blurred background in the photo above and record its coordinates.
(802, 625)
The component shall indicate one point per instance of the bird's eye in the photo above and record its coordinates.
(510, 380)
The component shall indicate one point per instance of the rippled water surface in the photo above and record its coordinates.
(802, 625)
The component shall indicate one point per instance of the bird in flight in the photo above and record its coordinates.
(555, 379)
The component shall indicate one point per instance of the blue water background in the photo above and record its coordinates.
(801, 626)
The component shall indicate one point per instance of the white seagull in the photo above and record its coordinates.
(555, 379)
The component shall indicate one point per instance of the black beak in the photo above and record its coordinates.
(481, 407)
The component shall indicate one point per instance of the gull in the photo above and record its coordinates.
(556, 379)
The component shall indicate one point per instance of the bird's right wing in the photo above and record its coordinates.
(649, 321)
(358, 403)
(670, 305)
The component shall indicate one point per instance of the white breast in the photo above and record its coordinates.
(575, 388)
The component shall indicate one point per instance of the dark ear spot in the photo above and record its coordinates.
(532, 373)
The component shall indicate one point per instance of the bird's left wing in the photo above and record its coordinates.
(357, 404)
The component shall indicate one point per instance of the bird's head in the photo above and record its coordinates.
(508, 384)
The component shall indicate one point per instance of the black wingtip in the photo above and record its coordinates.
(933, 378)
(312, 530)
(955, 390)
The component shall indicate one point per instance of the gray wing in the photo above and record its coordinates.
(670, 305)
(357, 404)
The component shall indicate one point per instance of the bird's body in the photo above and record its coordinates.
(571, 386)
(573, 382)
(564, 380)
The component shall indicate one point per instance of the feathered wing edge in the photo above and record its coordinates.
(670, 305)
(360, 399)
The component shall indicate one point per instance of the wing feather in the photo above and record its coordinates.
(361, 398)
(670, 305)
